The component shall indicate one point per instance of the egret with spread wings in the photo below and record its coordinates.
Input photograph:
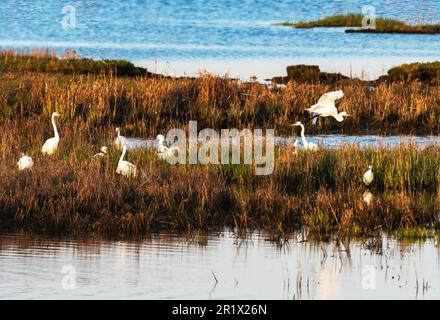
(326, 107)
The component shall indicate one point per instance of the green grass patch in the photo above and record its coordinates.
(48, 63)
(425, 72)
(383, 25)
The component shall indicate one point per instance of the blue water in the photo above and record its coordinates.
(196, 30)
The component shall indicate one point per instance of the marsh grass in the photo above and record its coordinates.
(428, 72)
(340, 20)
(47, 62)
(147, 106)
(319, 192)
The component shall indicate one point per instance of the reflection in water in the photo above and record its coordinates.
(170, 267)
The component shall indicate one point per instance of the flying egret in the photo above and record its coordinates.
(25, 162)
(102, 153)
(368, 175)
(326, 107)
(126, 168)
(51, 145)
(163, 151)
(307, 145)
(120, 140)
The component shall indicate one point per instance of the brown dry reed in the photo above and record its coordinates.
(320, 192)
(148, 105)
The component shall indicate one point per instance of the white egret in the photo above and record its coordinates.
(126, 168)
(368, 175)
(25, 162)
(367, 197)
(120, 140)
(102, 153)
(163, 151)
(51, 145)
(326, 107)
(276, 87)
(307, 145)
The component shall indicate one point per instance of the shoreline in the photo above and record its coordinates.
(362, 67)
(368, 67)
(409, 93)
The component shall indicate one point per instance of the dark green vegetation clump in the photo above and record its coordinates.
(340, 20)
(48, 63)
(425, 72)
(428, 73)
(309, 74)
(383, 25)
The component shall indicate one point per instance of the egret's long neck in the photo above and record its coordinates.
(124, 150)
(119, 133)
(55, 131)
(303, 137)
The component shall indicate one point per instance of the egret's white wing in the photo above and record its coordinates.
(335, 95)
(316, 108)
(326, 100)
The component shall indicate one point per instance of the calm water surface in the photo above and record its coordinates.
(190, 35)
(170, 267)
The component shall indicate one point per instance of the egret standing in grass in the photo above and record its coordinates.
(307, 145)
(163, 151)
(326, 107)
(25, 162)
(126, 168)
(51, 145)
(367, 197)
(102, 153)
(368, 176)
(120, 140)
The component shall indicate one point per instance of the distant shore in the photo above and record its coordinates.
(354, 20)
